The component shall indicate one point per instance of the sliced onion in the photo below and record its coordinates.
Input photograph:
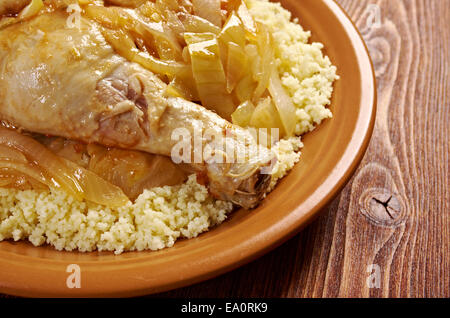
(149, 10)
(155, 65)
(176, 26)
(266, 61)
(231, 5)
(243, 114)
(7, 21)
(237, 65)
(209, 10)
(266, 115)
(167, 5)
(134, 171)
(184, 88)
(11, 178)
(74, 151)
(57, 172)
(283, 103)
(209, 74)
(196, 24)
(166, 42)
(246, 18)
(28, 169)
(7, 153)
(127, 19)
(233, 31)
(193, 38)
(245, 88)
(95, 188)
(123, 43)
(31, 10)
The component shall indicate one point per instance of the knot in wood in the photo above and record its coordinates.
(382, 207)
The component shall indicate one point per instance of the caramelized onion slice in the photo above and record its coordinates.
(58, 172)
(196, 24)
(155, 34)
(209, 10)
(245, 88)
(237, 65)
(243, 114)
(233, 31)
(184, 88)
(31, 171)
(246, 18)
(283, 103)
(95, 188)
(11, 178)
(266, 61)
(123, 43)
(133, 171)
(7, 153)
(209, 73)
(266, 115)
(31, 10)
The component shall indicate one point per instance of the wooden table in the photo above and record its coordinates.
(390, 226)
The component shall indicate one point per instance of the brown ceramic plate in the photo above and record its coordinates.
(330, 156)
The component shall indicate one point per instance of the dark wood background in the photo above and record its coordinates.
(395, 211)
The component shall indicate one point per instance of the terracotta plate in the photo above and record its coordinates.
(331, 154)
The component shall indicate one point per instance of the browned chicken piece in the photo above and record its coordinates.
(69, 82)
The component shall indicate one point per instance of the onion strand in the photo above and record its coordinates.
(57, 172)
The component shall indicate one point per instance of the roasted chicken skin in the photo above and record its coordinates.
(69, 82)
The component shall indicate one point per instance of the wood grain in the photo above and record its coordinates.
(394, 213)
